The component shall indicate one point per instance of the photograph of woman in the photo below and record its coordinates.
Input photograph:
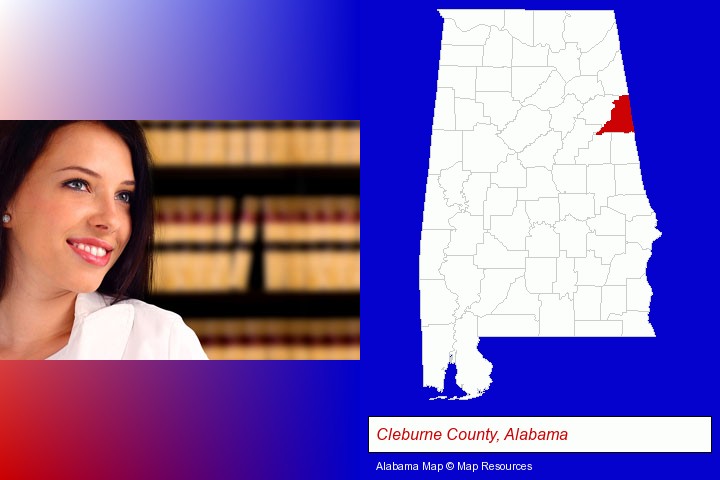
(75, 246)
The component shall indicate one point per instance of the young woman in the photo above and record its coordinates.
(75, 246)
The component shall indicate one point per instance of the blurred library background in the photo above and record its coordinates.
(257, 239)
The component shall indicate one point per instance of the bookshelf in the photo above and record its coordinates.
(279, 194)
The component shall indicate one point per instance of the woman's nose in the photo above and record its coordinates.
(106, 214)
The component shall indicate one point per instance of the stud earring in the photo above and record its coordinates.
(6, 218)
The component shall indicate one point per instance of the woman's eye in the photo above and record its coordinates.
(80, 185)
(125, 197)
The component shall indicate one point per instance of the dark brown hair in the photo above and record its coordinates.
(21, 142)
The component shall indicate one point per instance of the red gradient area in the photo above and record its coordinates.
(179, 420)
(620, 117)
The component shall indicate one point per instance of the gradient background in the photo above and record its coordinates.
(378, 62)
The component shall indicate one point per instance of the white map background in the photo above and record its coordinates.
(533, 224)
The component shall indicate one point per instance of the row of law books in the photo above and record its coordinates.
(253, 143)
(207, 244)
(282, 219)
(197, 271)
(279, 339)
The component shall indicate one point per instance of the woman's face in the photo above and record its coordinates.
(71, 215)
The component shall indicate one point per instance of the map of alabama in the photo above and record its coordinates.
(536, 221)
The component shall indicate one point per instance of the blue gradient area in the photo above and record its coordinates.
(182, 59)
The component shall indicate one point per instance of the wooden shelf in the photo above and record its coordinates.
(274, 246)
(239, 181)
(252, 180)
(259, 304)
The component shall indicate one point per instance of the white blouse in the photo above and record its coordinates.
(128, 330)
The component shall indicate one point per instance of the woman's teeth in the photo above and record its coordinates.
(96, 251)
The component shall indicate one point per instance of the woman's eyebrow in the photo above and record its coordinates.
(92, 173)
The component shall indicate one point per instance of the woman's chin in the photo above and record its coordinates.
(87, 286)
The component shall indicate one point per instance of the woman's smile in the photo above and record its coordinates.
(92, 250)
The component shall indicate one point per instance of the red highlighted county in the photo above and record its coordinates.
(620, 117)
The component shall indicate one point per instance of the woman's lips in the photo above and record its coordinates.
(94, 255)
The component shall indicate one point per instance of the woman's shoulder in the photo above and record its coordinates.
(152, 313)
(157, 330)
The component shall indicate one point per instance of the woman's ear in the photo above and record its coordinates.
(7, 217)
